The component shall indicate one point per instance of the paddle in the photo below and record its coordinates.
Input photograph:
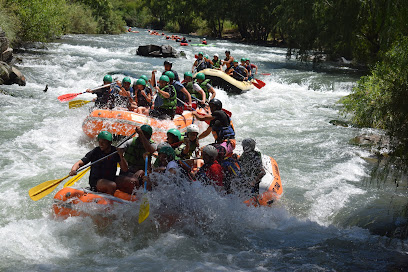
(47, 187)
(76, 178)
(258, 83)
(69, 97)
(266, 74)
(144, 210)
(77, 103)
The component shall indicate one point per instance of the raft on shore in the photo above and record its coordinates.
(124, 123)
(226, 82)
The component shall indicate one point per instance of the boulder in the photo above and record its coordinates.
(17, 77)
(4, 44)
(164, 51)
(4, 73)
(7, 55)
(370, 140)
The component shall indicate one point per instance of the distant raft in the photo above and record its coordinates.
(226, 82)
(124, 123)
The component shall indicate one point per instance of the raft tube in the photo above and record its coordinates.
(226, 82)
(270, 188)
(73, 202)
(124, 123)
(183, 44)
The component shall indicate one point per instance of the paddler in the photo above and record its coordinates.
(216, 62)
(190, 144)
(250, 67)
(167, 67)
(227, 61)
(252, 170)
(182, 94)
(143, 97)
(166, 100)
(208, 61)
(220, 126)
(204, 41)
(136, 150)
(103, 174)
(211, 172)
(102, 95)
(200, 63)
(238, 71)
(121, 95)
(193, 88)
(205, 85)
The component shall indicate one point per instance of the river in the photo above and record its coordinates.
(331, 216)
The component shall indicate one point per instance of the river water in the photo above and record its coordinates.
(331, 217)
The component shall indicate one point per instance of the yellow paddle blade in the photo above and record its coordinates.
(74, 179)
(144, 209)
(44, 188)
(77, 103)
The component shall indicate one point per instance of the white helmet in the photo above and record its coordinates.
(203, 39)
(211, 151)
(216, 55)
(192, 128)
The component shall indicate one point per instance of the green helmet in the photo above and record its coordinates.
(188, 74)
(248, 59)
(170, 74)
(200, 76)
(144, 77)
(164, 78)
(141, 81)
(126, 79)
(148, 129)
(107, 78)
(206, 56)
(175, 132)
(106, 135)
(235, 61)
(200, 53)
(168, 150)
(243, 59)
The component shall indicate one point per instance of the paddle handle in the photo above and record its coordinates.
(100, 87)
(145, 183)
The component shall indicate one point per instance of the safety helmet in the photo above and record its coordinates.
(206, 56)
(175, 132)
(168, 150)
(200, 53)
(170, 74)
(217, 103)
(141, 81)
(235, 61)
(192, 128)
(166, 62)
(107, 78)
(144, 77)
(126, 79)
(164, 78)
(188, 74)
(200, 76)
(211, 151)
(105, 135)
(162, 144)
(216, 55)
(248, 60)
(243, 59)
(248, 144)
(148, 129)
(203, 39)
(221, 150)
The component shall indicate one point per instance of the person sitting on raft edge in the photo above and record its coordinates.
(238, 71)
(220, 126)
(103, 174)
(164, 106)
(102, 95)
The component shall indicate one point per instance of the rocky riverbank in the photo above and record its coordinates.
(9, 74)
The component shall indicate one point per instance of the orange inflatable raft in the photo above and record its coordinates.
(270, 188)
(120, 122)
(67, 202)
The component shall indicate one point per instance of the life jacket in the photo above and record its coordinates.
(180, 148)
(134, 155)
(190, 89)
(224, 130)
(203, 86)
(180, 95)
(201, 64)
(216, 64)
(232, 166)
(171, 102)
(239, 72)
(205, 177)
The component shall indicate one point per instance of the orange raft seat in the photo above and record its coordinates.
(124, 123)
(270, 187)
(73, 202)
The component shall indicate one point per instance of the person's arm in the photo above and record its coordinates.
(122, 163)
(163, 93)
(75, 167)
(256, 68)
(205, 133)
(194, 66)
(186, 93)
(212, 91)
(146, 144)
(153, 79)
(204, 117)
(197, 88)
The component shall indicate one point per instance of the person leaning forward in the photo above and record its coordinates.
(103, 174)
